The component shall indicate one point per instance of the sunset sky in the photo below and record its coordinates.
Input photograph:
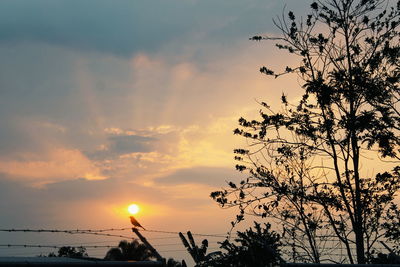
(104, 103)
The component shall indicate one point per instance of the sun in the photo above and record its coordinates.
(133, 209)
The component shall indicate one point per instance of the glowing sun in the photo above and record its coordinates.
(133, 209)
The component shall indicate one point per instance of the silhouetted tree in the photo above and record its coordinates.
(253, 247)
(129, 251)
(304, 161)
(70, 252)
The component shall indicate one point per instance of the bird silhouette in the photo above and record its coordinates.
(136, 223)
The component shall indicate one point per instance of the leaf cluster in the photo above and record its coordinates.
(70, 252)
(257, 246)
(129, 251)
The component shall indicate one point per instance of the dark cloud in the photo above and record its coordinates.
(118, 27)
(126, 144)
(123, 26)
(212, 176)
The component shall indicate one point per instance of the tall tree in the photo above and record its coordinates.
(348, 54)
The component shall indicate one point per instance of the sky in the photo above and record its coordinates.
(107, 103)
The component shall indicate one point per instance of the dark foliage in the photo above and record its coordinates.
(258, 246)
(173, 263)
(305, 161)
(70, 252)
(129, 251)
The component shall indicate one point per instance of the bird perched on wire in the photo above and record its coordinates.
(136, 223)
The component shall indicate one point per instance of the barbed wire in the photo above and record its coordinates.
(98, 232)
(49, 246)
(101, 232)
(174, 235)
(68, 231)
(73, 232)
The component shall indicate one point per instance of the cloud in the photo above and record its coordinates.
(84, 25)
(140, 144)
(131, 143)
(125, 27)
(85, 93)
(149, 115)
(54, 164)
(211, 176)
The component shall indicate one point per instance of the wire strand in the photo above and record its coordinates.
(48, 246)
(101, 232)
